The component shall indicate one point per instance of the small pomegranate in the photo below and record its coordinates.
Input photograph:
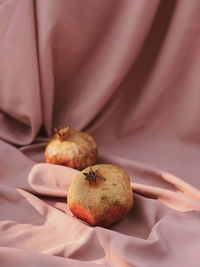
(71, 148)
(100, 195)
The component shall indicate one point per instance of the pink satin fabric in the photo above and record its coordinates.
(127, 72)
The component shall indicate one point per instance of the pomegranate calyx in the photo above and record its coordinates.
(91, 175)
(62, 133)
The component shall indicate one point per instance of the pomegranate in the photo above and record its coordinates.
(71, 148)
(100, 195)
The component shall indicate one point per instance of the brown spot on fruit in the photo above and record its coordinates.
(104, 188)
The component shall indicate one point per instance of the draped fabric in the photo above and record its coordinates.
(126, 72)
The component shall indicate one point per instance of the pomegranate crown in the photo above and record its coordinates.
(91, 175)
(62, 133)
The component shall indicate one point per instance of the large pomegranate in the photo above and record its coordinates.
(71, 148)
(100, 195)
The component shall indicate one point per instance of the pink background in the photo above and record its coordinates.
(126, 72)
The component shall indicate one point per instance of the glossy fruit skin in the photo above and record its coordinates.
(104, 201)
(76, 150)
